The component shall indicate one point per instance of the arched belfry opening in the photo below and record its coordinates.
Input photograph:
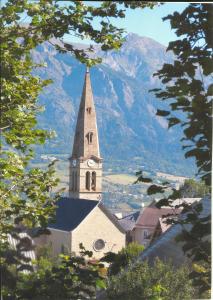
(89, 137)
(87, 182)
(93, 181)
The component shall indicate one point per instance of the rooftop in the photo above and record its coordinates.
(71, 212)
(128, 222)
(150, 215)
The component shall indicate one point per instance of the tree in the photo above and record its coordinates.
(187, 83)
(123, 258)
(193, 189)
(188, 91)
(160, 281)
(26, 198)
(70, 277)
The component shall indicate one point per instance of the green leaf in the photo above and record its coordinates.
(100, 283)
(162, 113)
(154, 189)
(173, 121)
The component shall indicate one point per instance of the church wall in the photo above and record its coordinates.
(59, 240)
(98, 226)
(40, 241)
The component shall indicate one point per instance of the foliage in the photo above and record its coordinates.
(187, 83)
(26, 198)
(123, 258)
(193, 189)
(160, 281)
(188, 91)
(70, 277)
(197, 245)
(53, 19)
(24, 193)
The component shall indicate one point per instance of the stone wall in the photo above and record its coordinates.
(98, 226)
(59, 239)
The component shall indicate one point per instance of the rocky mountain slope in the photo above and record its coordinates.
(128, 126)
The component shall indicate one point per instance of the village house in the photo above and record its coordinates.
(151, 222)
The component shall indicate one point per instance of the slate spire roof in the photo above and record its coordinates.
(86, 127)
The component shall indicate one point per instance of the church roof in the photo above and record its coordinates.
(71, 212)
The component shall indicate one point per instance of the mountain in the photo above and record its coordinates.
(129, 130)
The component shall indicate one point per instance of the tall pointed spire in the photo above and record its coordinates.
(86, 143)
(85, 180)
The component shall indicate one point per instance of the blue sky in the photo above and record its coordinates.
(144, 22)
(147, 22)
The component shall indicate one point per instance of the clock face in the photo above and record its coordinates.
(74, 162)
(90, 163)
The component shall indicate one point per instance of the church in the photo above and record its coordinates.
(81, 217)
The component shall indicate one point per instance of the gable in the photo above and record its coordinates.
(111, 217)
(100, 216)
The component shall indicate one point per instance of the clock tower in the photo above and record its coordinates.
(85, 176)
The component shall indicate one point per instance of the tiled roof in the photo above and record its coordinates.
(150, 215)
(128, 222)
(71, 212)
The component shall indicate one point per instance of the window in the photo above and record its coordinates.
(89, 137)
(89, 109)
(99, 245)
(146, 234)
(88, 180)
(93, 185)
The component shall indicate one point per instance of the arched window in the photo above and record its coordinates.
(93, 185)
(89, 109)
(87, 183)
(89, 137)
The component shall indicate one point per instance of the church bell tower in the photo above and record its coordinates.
(85, 179)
